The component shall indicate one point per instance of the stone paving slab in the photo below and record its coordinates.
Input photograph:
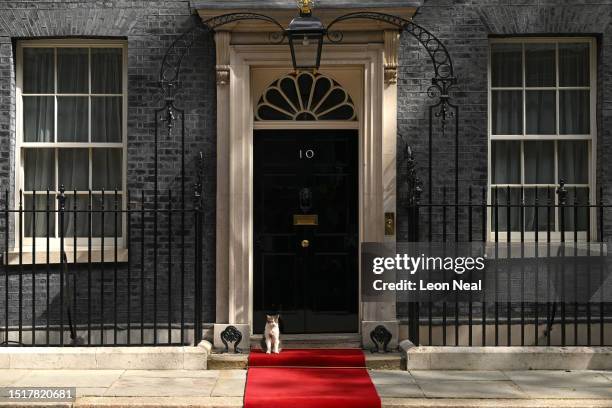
(498, 403)
(558, 379)
(89, 391)
(68, 378)
(382, 377)
(171, 373)
(400, 390)
(161, 387)
(568, 392)
(458, 375)
(10, 376)
(225, 388)
(231, 387)
(607, 374)
(191, 402)
(471, 389)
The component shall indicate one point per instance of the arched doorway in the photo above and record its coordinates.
(306, 203)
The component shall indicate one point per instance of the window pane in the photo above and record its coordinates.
(540, 65)
(507, 112)
(73, 166)
(506, 157)
(546, 210)
(35, 222)
(574, 64)
(539, 162)
(72, 70)
(575, 214)
(72, 112)
(38, 70)
(106, 70)
(78, 217)
(38, 118)
(506, 61)
(106, 169)
(106, 119)
(575, 111)
(573, 161)
(39, 169)
(541, 112)
(504, 204)
(106, 217)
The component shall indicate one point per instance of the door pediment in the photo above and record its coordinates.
(285, 10)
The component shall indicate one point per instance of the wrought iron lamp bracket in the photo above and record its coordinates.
(440, 58)
(444, 78)
(170, 70)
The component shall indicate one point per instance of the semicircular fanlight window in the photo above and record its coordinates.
(305, 96)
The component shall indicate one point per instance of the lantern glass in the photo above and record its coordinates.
(306, 49)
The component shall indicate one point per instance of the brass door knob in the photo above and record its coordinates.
(305, 243)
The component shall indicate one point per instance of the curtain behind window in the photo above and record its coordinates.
(73, 125)
(538, 157)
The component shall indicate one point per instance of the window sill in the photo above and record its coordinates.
(504, 250)
(82, 256)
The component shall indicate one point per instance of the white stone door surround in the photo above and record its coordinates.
(375, 59)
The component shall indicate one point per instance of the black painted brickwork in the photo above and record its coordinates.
(150, 26)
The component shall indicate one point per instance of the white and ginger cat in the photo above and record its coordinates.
(272, 334)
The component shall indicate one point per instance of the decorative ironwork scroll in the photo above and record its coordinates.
(231, 335)
(441, 83)
(380, 336)
(169, 73)
(415, 185)
(438, 54)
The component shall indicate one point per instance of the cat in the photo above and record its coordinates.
(272, 334)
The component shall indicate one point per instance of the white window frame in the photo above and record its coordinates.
(82, 243)
(591, 138)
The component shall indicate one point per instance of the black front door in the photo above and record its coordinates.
(306, 230)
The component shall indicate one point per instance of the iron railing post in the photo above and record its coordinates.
(62, 208)
(415, 189)
(197, 205)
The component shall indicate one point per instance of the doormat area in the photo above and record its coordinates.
(309, 378)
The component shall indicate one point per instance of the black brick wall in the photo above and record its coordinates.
(464, 26)
(149, 27)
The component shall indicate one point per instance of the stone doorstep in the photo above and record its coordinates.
(228, 361)
(92, 358)
(293, 341)
(506, 358)
(388, 361)
(374, 361)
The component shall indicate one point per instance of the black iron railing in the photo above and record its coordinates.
(552, 217)
(97, 268)
(108, 271)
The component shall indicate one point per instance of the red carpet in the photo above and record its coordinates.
(308, 358)
(314, 378)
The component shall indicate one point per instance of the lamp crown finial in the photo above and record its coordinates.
(305, 6)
